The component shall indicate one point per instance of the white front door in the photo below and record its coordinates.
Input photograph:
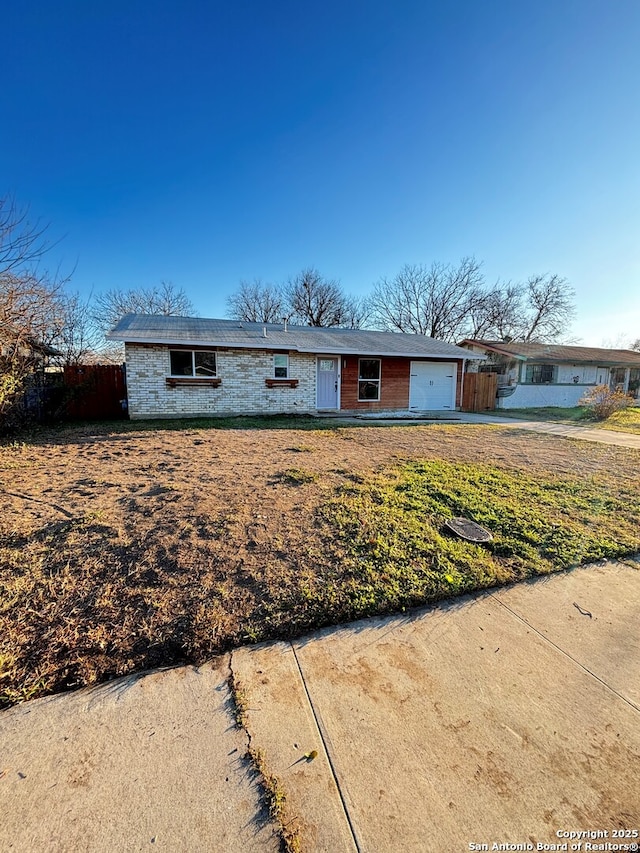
(432, 385)
(328, 393)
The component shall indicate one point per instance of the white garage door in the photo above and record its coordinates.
(432, 385)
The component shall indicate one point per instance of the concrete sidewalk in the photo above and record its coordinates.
(142, 763)
(505, 717)
(600, 436)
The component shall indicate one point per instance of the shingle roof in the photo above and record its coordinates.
(559, 353)
(199, 331)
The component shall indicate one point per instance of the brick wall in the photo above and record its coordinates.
(394, 388)
(242, 388)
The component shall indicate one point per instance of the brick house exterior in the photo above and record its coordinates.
(242, 387)
(188, 367)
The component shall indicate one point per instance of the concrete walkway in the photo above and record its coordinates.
(602, 436)
(505, 717)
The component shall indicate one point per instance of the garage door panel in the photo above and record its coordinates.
(432, 385)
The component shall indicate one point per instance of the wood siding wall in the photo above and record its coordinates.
(394, 389)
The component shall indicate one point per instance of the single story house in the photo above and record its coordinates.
(184, 366)
(534, 374)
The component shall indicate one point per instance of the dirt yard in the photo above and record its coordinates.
(124, 550)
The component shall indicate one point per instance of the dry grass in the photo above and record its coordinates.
(127, 550)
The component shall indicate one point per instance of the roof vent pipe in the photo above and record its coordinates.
(285, 323)
(264, 331)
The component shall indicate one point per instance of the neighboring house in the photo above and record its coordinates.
(532, 374)
(181, 366)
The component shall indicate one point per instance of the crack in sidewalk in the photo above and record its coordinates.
(324, 737)
(273, 795)
(563, 652)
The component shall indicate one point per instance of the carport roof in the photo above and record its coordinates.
(200, 331)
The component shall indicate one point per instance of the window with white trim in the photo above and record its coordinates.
(196, 363)
(540, 374)
(368, 379)
(281, 365)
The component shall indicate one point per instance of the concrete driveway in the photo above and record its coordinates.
(510, 717)
(585, 433)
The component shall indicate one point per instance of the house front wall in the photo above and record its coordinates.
(580, 374)
(394, 384)
(570, 383)
(242, 387)
(531, 395)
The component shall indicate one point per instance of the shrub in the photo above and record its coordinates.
(603, 402)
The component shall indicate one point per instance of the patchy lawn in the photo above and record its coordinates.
(122, 550)
(626, 420)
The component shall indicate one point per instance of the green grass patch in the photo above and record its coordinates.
(297, 476)
(626, 420)
(398, 554)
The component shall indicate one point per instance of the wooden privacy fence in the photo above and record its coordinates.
(95, 392)
(479, 392)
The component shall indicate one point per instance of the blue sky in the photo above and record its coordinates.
(208, 142)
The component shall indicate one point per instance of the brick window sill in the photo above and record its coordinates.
(173, 381)
(279, 383)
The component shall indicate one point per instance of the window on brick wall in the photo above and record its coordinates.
(368, 379)
(198, 363)
(281, 365)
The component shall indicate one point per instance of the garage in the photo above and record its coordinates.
(432, 385)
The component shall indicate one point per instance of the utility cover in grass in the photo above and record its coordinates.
(469, 530)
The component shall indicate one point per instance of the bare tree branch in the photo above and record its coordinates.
(256, 302)
(316, 301)
(357, 312)
(22, 242)
(435, 301)
(551, 306)
(78, 339)
(31, 315)
(165, 298)
(498, 314)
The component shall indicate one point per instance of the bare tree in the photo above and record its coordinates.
(635, 345)
(257, 302)
(539, 310)
(435, 301)
(357, 312)
(308, 298)
(22, 242)
(165, 298)
(497, 313)
(77, 337)
(30, 318)
(550, 308)
(316, 301)
(30, 305)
